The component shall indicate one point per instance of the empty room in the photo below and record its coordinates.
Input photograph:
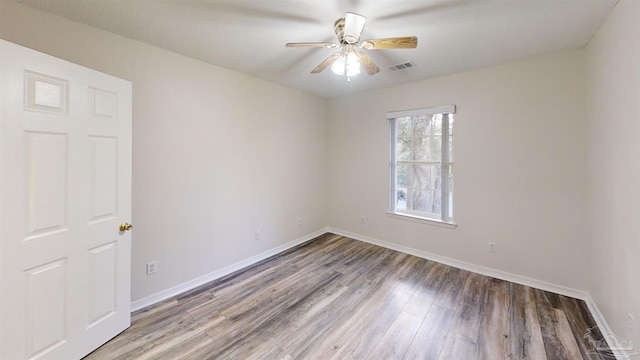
(319, 179)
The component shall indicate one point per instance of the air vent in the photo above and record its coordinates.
(406, 65)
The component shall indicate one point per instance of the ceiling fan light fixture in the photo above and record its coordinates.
(346, 65)
(350, 60)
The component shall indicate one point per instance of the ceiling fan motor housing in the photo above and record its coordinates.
(339, 29)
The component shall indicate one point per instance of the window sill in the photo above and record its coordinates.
(421, 220)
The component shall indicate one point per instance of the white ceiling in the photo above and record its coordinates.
(249, 35)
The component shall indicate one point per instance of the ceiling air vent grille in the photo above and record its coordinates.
(403, 66)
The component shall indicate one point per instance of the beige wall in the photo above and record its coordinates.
(519, 167)
(613, 105)
(217, 154)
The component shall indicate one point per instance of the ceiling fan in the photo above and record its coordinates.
(349, 59)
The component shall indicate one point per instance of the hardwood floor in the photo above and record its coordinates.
(338, 298)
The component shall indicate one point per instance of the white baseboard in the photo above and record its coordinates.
(604, 327)
(518, 279)
(191, 284)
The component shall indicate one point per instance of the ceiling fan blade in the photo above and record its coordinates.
(326, 63)
(312, 44)
(369, 66)
(407, 42)
(353, 26)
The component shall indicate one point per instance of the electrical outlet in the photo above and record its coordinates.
(492, 247)
(299, 221)
(363, 219)
(152, 267)
(258, 235)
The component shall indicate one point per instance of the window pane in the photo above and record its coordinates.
(403, 149)
(402, 175)
(422, 200)
(401, 199)
(404, 137)
(436, 125)
(426, 176)
(415, 187)
(427, 148)
(402, 183)
(424, 188)
(419, 138)
(418, 183)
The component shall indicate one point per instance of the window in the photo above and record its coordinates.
(421, 163)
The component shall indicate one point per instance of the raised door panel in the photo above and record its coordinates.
(46, 308)
(104, 177)
(47, 184)
(102, 288)
(103, 105)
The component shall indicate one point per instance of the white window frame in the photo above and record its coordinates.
(444, 218)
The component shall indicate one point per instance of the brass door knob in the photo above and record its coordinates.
(125, 227)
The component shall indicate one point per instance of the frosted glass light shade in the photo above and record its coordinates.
(350, 63)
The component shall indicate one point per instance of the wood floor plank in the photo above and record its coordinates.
(363, 263)
(554, 326)
(187, 350)
(268, 269)
(396, 290)
(289, 335)
(471, 306)
(432, 334)
(426, 292)
(339, 298)
(259, 311)
(142, 336)
(526, 335)
(563, 330)
(393, 261)
(245, 288)
(298, 340)
(174, 338)
(271, 292)
(581, 321)
(449, 291)
(395, 342)
(151, 310)
(461, 348)
(275, 353)
(346, 249)
(493, 338)
(467, 318)
(317, 312)
(297, 343)
(429, 289)
(356, 322)
(360, 344)
(324, 313)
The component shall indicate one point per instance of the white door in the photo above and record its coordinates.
(65, 187)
